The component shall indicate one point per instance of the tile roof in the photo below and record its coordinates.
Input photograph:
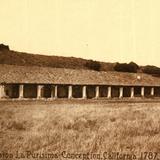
(44, 75)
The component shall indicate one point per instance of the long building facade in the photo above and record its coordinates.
(54, 91)
(17, 82)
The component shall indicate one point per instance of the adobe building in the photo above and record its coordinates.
(19, 82)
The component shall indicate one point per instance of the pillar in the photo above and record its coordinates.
(55, 91)
(39, 89)
(69, 92)
(121, 92)
(132, 92)
(109, 92)
(142, 91)
(97, 92)
(84, 92)
(2, 91)
(52, 91)
(152, 91)
(21, 87)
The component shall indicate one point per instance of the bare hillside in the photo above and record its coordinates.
(11, 57)
(26, 59)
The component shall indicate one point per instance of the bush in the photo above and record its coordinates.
(16, 125)
(93, 65)
(134, 66)
(124, 67)
(151, 70)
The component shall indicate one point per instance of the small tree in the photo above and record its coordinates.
(133, 67)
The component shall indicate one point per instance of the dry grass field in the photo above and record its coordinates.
(79, 128)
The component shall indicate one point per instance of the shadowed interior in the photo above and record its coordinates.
(147, 92)
(62, 91)
(12, 91)
(91, 92)
(157, 91)
(77, 91)
(103, 91)
(115, 91)
(137, 91)
(30, 91)
(127, 92)
(46, 91)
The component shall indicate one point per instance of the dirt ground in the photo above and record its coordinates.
(78, 128)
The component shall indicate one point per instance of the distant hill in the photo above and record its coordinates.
(11, 57)
(25, 59)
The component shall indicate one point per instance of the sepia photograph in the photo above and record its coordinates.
(79, 79)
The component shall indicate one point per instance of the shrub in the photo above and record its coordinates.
(151, 70)
(134, 66)
(16, 125)
(124, 67)
(93, 65)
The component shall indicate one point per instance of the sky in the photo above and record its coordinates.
(104, 30)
